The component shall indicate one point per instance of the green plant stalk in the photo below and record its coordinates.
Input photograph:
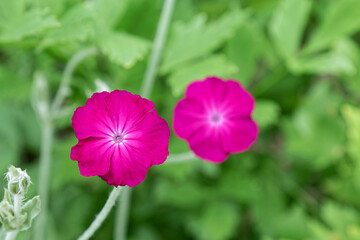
(17, 211)
(159, 41)
(47, 136)
(66, 79)
(122, 214)
(110, 202)
(180, 157)
(11, 235)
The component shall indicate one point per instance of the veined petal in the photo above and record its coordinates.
(189, 116)
(125, 168)
(238, 135)
(121, 137)
(92, 120)
(215, 118)
(205, 143)
(93, 156)
(238, 102)
(151, 137)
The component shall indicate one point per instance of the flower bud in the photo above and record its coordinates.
(18, 181)
(15, 215)
(7, 217)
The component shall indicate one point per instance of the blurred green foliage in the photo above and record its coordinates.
(299, 58)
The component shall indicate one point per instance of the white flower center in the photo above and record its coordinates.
(215, 118)
(119, 138)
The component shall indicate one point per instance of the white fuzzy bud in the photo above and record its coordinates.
(18, 181)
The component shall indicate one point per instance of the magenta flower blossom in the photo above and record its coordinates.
(120, 137)
(214, 117)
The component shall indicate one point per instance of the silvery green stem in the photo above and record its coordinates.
(159, 41)
(44, 171)
(17, 210)
(47, 115)
(121, 217)
(17, 204)
(110, 202)
(68, 72)
(122, 214)
(11, 235)
(180, 157)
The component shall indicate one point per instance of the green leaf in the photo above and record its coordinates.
(31, 209)
(13, 87)
(183, 195)
(213, 65)
(196, 39)
(64, 170)
(340, 218)
(239, 186)
(145, 232)
(341, 18)
(319, 231)
(334, 62)
(7, 196)
(352, 118)
(208, 227)
(244, 49)
(10, 11)
(273, 218)
(31, 23)
(106, 12)
(287, 25)
(350, 49)
(307, 133)
(75, 25)
(266, 113)
(9, 138)
(123, 49)
(177, 171)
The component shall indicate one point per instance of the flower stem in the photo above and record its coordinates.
(180, 157)
(110, 202)
(121, 219)
(159, 41)
(122, 214)
(68, 72)
(44, 171)
(47, 136)
(17, 204)
(11, 235)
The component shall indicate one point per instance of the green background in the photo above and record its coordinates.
(299, 58)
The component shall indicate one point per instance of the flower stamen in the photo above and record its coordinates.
(215, 118)
(119, 138)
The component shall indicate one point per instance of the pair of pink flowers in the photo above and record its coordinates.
(121, 135)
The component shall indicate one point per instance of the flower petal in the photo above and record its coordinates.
(126, 168)
(92, 120)
(93, 156)
(238, 102)
(205, 143)
(120, 137)
(210, 92)
(121, 105)
(151, 137)
(189, 116)
(238, 135)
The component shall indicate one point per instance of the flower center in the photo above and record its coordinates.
(118, 138)
(215, 118)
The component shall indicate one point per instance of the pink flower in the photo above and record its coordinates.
(120, 137)
(214, 117)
